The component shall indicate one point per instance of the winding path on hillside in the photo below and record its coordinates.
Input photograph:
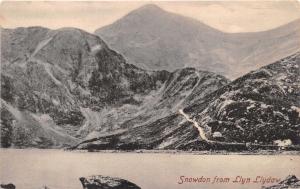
(203, 135)
(195, 124)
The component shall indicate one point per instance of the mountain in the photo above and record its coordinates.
(66, 87)
(260, 108)
(59, 87)
(154, 39)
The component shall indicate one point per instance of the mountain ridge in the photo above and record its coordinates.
(66, 87)
(69, 83)
(157, 40)
(250, 110)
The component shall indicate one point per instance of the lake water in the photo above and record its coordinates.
(57, 169)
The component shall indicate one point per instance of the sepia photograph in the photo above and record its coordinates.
(150, 94)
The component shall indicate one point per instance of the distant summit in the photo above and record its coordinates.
(155, 39)
(150, 7)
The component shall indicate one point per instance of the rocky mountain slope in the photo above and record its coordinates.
(154, 39)
(66, 87)
(59, 87)
(290, 181)
(260, 108)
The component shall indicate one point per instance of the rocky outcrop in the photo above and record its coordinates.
(8, 186)
(289, 182)
(105, 182)
(59, 87)
(66, 87)
(257, 111)
(260, 107)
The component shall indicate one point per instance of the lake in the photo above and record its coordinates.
(58, 169)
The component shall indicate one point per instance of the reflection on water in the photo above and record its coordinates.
(57, 169)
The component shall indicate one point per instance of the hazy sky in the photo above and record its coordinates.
(227, 16)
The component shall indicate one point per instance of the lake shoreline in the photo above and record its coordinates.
(173, 152)
(61, 169)
(266, 152)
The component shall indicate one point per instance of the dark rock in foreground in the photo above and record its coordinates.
(290, 182)
(105, 182)
(8, 186)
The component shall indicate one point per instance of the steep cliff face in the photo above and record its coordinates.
(155, 124)
(67, 88)
(261, 108)
(36, 88)
(61, 86)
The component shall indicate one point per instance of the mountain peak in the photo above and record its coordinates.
(149, 8)
(156, 39)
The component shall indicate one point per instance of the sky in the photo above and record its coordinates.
(227, 16)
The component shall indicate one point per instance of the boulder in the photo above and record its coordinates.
(105, 182)
(290, 181)
(8, 186)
